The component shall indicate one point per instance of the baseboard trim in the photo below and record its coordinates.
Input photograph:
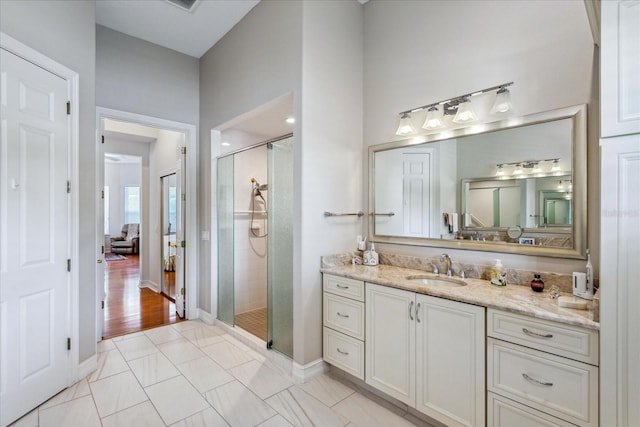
(205, 316)
(303, 373)
(87, 366)
(150, 284)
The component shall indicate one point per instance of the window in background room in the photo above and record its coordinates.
(132, 205)
(106, 210)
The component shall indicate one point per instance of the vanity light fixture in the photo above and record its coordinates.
(555, 167)
(518, 169)
(459, 107)
(405, 127)
(500, 171)
(531, 167)
(434, 119)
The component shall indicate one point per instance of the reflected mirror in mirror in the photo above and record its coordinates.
(527, 173)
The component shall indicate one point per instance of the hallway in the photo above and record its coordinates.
(191, 373)
(129, 308)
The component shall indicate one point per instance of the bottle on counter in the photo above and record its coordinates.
(589, 275)
(537, 284)
(498, 275)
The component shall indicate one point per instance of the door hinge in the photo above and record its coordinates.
(182, 291)
(102, 139)
(102, 249)
(68, 343)
(183, 244)
(68, 187)
(183, 150)
(68, 265)
(183, 197)
(68, 107)
(102, 304)
(102, 194)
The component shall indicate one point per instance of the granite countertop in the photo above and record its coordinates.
(514, 298)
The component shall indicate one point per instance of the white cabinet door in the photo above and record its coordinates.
(620, 67)
(450, 355)
(390, 341)
(619, 272)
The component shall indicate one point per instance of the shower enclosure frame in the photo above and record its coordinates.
(279, 240)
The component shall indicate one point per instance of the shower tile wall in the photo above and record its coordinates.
(250, 268)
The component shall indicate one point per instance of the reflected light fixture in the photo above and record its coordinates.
(405, 127)
(518, 169)
(465, 113)
(290, 120)
(500, 171)
(225, 144)
(502, 104)
(555, 166)
(434, 118)
(460, 106)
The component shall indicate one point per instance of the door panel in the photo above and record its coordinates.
(35, 246)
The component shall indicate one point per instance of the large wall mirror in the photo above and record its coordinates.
(515, 186)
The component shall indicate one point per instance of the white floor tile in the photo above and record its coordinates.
(260, 379)
(207, 418)
(134, 348)
(162, 334)
(238, 405)
(204, 373)
(28, 420)
(203, 336)
(326, 389)
(242, 346)
(109, 363)
(127, 337)
(276, 421)
(189, 324)
(105, 345)
(116, 393)
(176, 399)
(180, 351)
(153, 369)
(226, 354)
(301, 409)
(80, 412)
(79, 389)
(140, 415)
(364, 412)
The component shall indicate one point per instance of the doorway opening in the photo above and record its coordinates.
(142, 282)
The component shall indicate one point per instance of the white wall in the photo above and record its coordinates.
(417, 52)
(64, 30)
(116, 177)
(250, 257)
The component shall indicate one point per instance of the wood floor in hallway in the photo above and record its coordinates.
(129, 308)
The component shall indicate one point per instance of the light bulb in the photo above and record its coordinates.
(405, 127)
(555, 167)
(500, 171)
(290, 120)
(536, 168)
(434, 119)
(465, 112)
(518, 170)
(502, 104)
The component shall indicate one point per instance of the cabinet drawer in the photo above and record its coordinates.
(344, 315)
(561, 387)
(344, 352)
(503, 412)
(564, 340)
(349, 288)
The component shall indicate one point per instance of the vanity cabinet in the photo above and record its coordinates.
(539, 372)
(427, 352)
(343, 321)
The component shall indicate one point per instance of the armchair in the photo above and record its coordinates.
(128, 241)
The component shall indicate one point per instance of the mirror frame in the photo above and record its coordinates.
(578, 116)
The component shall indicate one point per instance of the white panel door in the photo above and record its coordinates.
(390, 341)
(35, 245)
(450, 354)
(416, 190)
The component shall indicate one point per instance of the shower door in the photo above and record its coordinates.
(226, 304)
(280, 247)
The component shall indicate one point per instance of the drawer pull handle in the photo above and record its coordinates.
(346, 353)
(535, 381)
(410, 308)
(534, 334)
(346, 316)
(342, 287)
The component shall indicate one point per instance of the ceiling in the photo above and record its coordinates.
(160, 22)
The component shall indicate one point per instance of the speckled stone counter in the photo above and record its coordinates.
(514, 298)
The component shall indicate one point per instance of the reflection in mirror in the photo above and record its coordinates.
(527, 173)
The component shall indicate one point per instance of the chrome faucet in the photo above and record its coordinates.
(445, 257)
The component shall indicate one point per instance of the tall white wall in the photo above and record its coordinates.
(417, 52)
(64, 30)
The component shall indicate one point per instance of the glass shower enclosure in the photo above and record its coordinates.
(279, 241)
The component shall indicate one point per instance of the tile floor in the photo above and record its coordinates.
(194, 374)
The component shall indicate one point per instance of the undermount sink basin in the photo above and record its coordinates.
(432, 280)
